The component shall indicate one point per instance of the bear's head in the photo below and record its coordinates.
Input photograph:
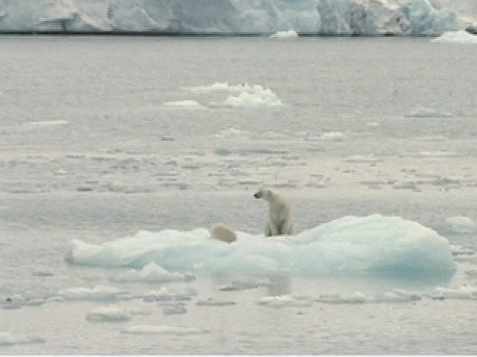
(264, 194)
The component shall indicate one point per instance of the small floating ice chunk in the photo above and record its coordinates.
(48, 123)
(362, 159)
(9, 339)
(151, 273)
(423, 112)
(355, 298)
(461, 224)
(285, 34)
(163, 330)
(283, 301)
(168, 295)
(108, 314)
(333, 136)
(184, 104)
(459, 37)
(231, 133)
(99, 292)
(258, 96)
(214, 302)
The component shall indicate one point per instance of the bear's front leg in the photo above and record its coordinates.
(268, 230)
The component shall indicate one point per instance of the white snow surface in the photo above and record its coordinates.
(459, 37)
(349, 245)
(367, 17)
(98, 292)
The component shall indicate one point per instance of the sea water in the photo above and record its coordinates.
(117, 155)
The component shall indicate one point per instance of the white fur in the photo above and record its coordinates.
(279, 222)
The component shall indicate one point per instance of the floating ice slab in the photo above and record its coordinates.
(460, 224)
(184, 104)
(459, 37)
(163, 330)
(108, 314)
(9, 339)
(97, 293)
(460, 293)
(351, 245)
(256, 96)
(283, 301)
(282, 35)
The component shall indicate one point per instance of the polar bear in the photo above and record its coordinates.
(279, 214)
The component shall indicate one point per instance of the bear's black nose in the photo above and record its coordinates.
(257, 195)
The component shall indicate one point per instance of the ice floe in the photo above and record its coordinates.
(458, 37)
(169, 295)
(108, 314)
(256, 96)
(282, 35)
(163, 330)
(99, 292)
(151, 273)
(184, 104)
(9, 339)
(284, 301)
(461, 224)
(349, 245)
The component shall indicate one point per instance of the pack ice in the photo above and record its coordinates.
(367, 17)
(351, 245)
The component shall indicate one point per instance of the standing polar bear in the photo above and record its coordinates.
(280, 222)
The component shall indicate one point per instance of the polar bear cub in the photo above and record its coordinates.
(279, 213)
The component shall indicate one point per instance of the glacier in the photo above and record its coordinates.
(350, 245)
(326, 17)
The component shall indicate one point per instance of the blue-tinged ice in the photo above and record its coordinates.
(347, 246)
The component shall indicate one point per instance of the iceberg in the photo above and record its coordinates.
(459, 37)
(330, 17)
(351, 245)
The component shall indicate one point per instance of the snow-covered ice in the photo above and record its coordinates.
(458, 37)
(376, 244)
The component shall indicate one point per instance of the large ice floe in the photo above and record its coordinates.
(331, 17)
(350, 245)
